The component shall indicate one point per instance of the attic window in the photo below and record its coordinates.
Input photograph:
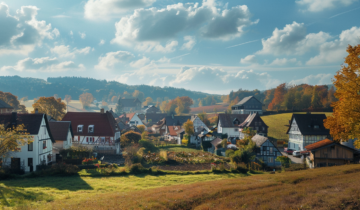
(91, 129)
(80, 128)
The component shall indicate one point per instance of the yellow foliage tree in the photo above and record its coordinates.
(344, 124)
(141, 128)
(86, 99)
(50, 106)
(189, 127)
(13, 138)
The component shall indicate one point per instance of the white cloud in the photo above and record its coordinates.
(319, 79)
(189, 44)
(157, 47)
(250, 59)
(153, 26)
(335, 51)
(320, 5)
(64, 51)
(102, 42)
(82, 35)
(164, 60)
(112, 58)
(140, 63)
(44, 64)
(71, 33)
(22, 32)
(105, 9)
(292, 40)
(283, 61)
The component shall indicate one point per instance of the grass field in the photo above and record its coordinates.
(177, 148)
(277, 124)
(335, 187)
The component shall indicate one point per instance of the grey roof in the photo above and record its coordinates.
(259, 140)
(250, 119)
(227, 120)
(113, 114)
(60, 130)
(307, 122)
(3, 104)
(246, 99)
(151, 109)
(129, 102)
(154, 117)
(176, 120)
(216, 142)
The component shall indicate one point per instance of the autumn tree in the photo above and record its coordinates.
(180, 107)
(344, 124)
(145, 135)
(189, 127)
(148, 101)
(315, 99)
(129, 137)
(119, 108)
(139, 95)
(50, 106)
(114, 99)
(278, 97)
(104, 105)
(86, 99)
(11, 139)
(12, 101)
(204, 118)
(163, 106)
(141, 128)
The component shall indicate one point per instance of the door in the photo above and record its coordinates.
(15, 164)
(30, 164)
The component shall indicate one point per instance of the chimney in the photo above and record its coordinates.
(102, 110)
(36, 110)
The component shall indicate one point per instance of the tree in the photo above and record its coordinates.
(86, 99)
(130, 137)
(139, 95)
(148, 101)
(119, 108)
(104, 105)
(141, 128)
(12, 101)
(13, 138)
(50, 106)
(145, 135)
(180, 107)
(278, 97)
(189, 127)
(284, 160)
(114, 99)
(344, 124)
(204, 118)
(315, 99)
(163, 106)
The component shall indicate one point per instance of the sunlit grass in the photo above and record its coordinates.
(178, 148)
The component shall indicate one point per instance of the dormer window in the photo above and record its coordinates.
(80, 128)
(91, 129)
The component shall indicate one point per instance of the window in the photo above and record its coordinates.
(44, 144)
(91, 129)
(103, 139)
(80, 128)
(270, 159)
(236, 130)
(264, 148)
(271, 150)
(263, 128)
(30, 146)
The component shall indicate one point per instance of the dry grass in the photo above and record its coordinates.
(209, 109)
(326, 188)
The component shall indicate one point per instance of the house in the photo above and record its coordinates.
(150, 110)
(159, 127)
(329, 153)
(176, 120)
(63, 135)
(217, 147)
(206, 137)
(266, 151)
(247, 105)
(254, 122)
(228, 124)
(130, 104)
(93, 128)
(150, 119)
(133, 118)
(199, 127)
(305, 129)
(5, 108)
(172, 134)
(39, 152)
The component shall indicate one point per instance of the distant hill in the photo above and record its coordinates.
(75, 86)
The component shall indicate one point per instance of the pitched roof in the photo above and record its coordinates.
(259, 140)
(104, 123)
(173, 130)
(227, 120)
(176, 120)
(31, 122)
(3, 104)
(60, 130)
(113, 114)
(151, 109)
(216, 142)
(129, 116)
(246, 99)
(319, 144)
(155, 117)
(141, 116)
(132, 128)
(129, 102)
(307, 123)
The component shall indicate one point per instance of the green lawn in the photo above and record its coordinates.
(277, 124)
(177, 148)
(35, 192)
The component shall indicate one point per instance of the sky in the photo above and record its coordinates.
(211, 46)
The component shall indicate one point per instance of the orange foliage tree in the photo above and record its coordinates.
(50, 106)
(86, 99)
(278, 97)
(344, 124)
(12, 101)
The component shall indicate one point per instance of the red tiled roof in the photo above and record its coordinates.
(318, 144)
(103, 124)
(173, 130)
(129, 116)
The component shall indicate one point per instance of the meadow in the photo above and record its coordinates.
(278, 124)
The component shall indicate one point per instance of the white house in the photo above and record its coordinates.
(229, 124)
(62, 134)
(36, 153)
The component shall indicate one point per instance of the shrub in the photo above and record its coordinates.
(163, 154)
(137, 169)
(184, 141)
(229, 153)
(148, 145)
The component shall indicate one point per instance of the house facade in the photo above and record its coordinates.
(5, 108)
(39, 151)
(305, 129)
(93, 129)
(266, 151)
(248, 105)
(228, 124)
(329, 153)
(63, 135)
(151, 109)
(130, 104)
(254, 122)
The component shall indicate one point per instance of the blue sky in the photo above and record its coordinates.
(210, 46)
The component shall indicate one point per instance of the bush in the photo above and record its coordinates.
(184, 141)
(148, 145)
(137, 169)
(229, 153)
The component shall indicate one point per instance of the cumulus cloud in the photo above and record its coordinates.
(283, 61)
(105, 9)
(102, 42)
(112, 58)
(157, 47)
(320, 5)
(335, 51)
(189, 43)
(64, 51)
(250, 59)
(319, 79)
(22, 32)
(82, 35)
(153, 26)
(44, 64)
(140, 63)
(292, 40)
